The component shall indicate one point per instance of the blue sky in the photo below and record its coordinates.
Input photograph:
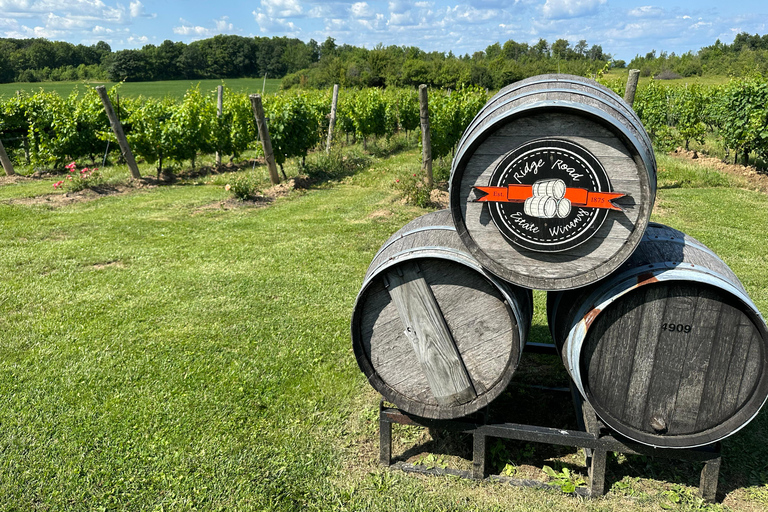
(623, 27)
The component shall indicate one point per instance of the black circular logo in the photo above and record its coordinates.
(550, 208)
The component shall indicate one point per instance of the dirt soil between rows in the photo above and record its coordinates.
(756, 178)
(439, 198)
(263, 198)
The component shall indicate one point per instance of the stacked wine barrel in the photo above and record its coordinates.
(552, 188)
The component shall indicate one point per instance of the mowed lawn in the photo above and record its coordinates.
(160, 89)
(162, 351)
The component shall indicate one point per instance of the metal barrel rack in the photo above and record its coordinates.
(596, 439)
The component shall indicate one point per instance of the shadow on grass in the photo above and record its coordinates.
(745, 454)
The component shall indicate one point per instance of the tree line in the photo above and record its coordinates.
(747, 54)
(222, 56)
(320, 65)
(408, 66)
(310, 64)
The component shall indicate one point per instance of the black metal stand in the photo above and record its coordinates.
(594, 438)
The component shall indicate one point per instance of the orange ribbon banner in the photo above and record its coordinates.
(577, 196)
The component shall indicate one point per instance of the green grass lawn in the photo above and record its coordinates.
(702, 80)
(160, 89)
(166, 350)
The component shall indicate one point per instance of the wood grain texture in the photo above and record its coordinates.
(584, 264)
(425, 328)
(5, 161)
(675, 363)
(332, 118)
(483, 317)
(580, 90)
(117, 129)
(426, 150)
(266, 141)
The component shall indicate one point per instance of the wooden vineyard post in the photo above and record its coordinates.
(629, 92)
(219, 112)
(426, 151)
(261, 123)
(24, 140)
(117, 128)
(332, 120)
(427, 331)
(7, 165)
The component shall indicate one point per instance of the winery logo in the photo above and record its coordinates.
(549, 195)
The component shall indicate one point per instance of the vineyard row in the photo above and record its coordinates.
(49, 131)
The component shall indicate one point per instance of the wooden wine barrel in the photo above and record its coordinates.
(433, 332)
(547, 129)
(669, 350)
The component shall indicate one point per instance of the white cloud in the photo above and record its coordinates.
(275, 26)
(220, 26)
(362, 10)
(567, 9)
(701, 24)
(646, 11)
(140, 40)
(399, 6)
(282, 8)
(403, 19)
(68, 23)
(137, 10)
(376, 24)
(471, 16)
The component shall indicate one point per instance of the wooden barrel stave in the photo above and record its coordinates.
(666, 388)
(559, 87)
(513, 120)
(488, 320)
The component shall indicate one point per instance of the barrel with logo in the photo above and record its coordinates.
(432, 331)
(579, 157)
(669, 350)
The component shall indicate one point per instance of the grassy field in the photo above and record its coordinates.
(172, 88)
(167, 348)
(702, 80)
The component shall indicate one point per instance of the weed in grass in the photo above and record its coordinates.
(509, 470)
(683, 498)
(627, 486)
(565, 479)
(388, 146)
(431, 461)
(499, 454)
(414, 190)
(441, 172)
(242, 187)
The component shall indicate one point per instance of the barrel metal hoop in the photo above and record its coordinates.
(627, 110)
(646, 143)
(605, 117)
(601, 298)
(688, 242)
(411, 232)
(443, 254)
